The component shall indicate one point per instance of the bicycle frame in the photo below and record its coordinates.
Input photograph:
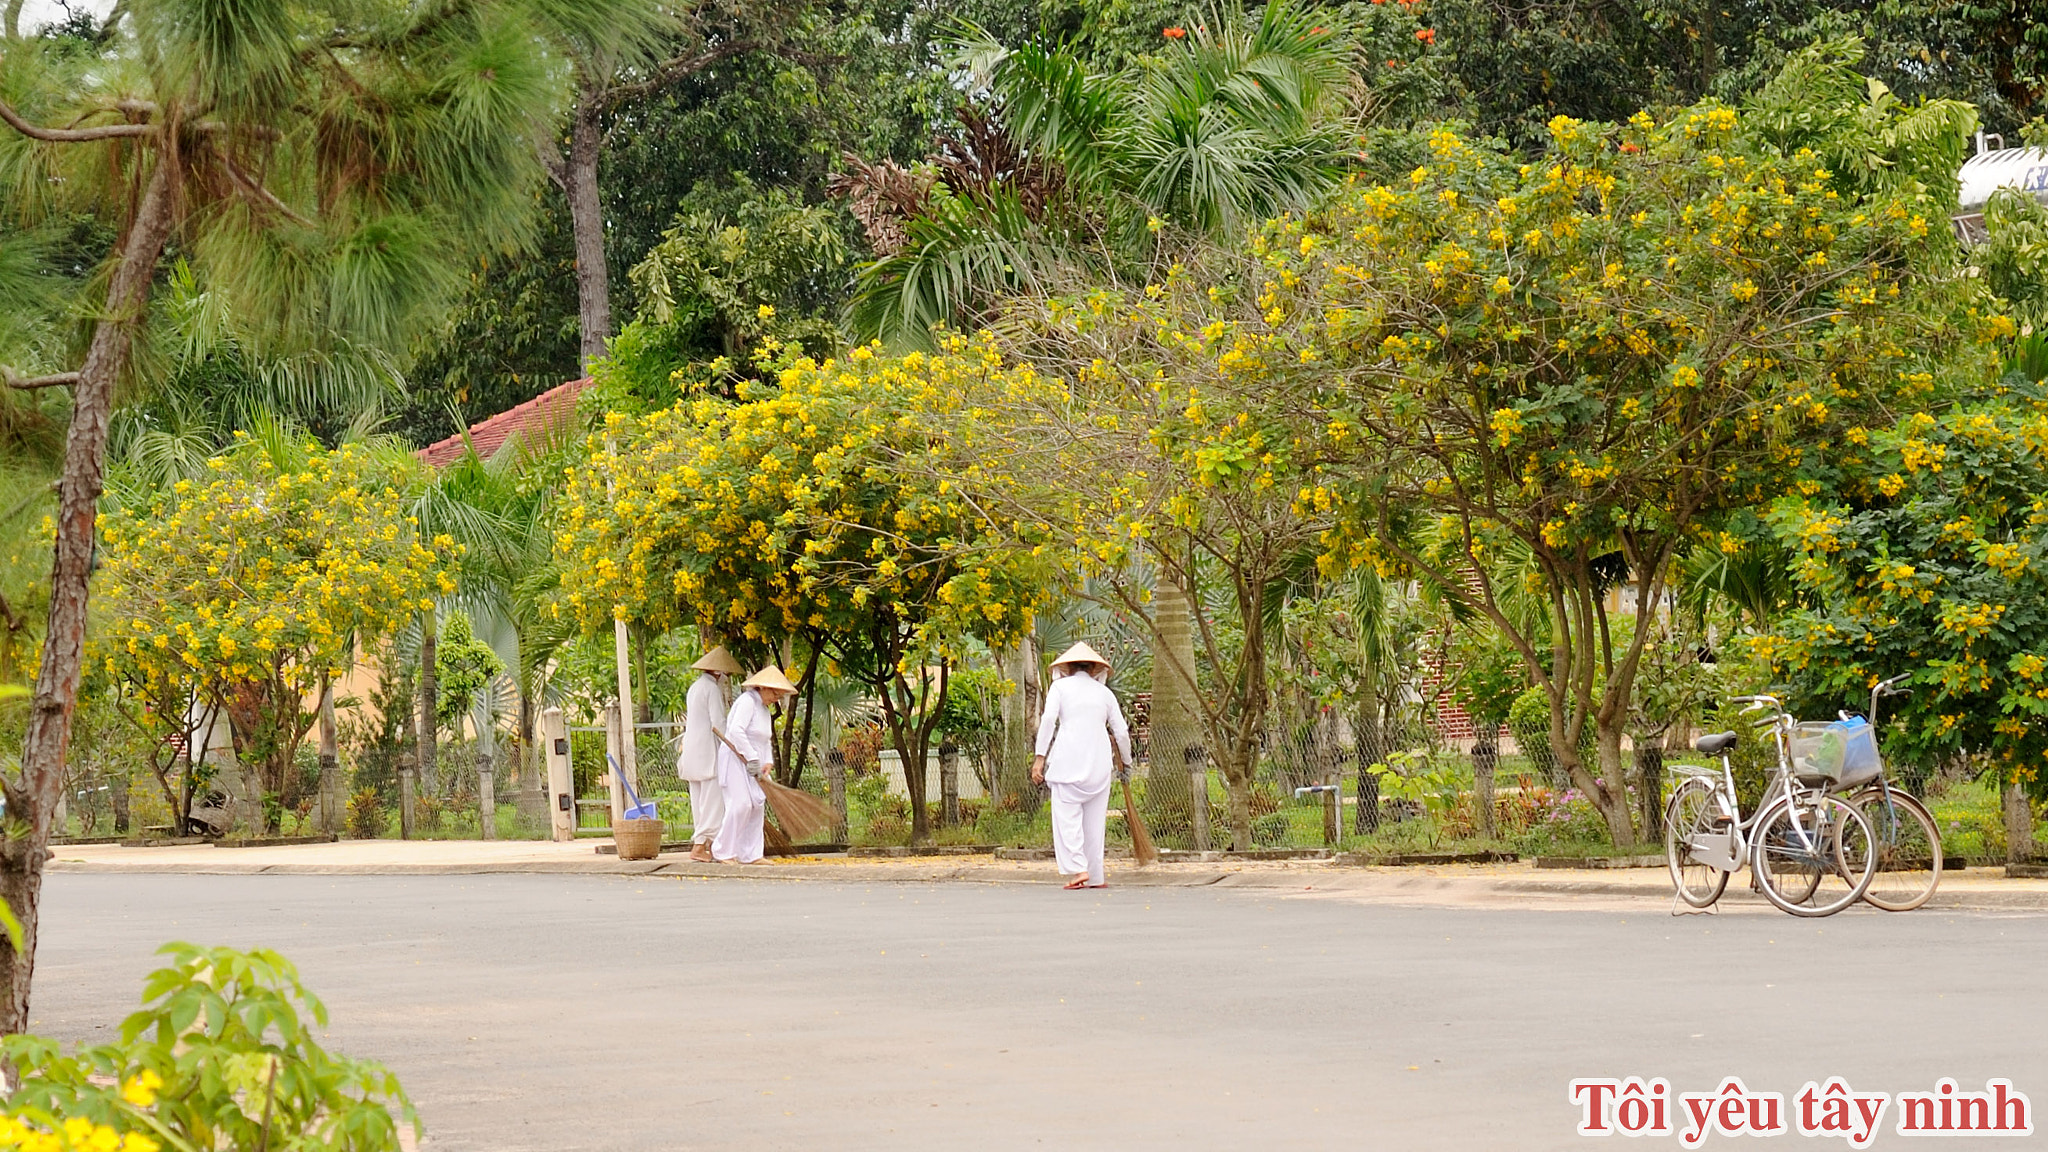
(1727, 851)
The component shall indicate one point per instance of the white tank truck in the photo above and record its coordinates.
(1992, 168)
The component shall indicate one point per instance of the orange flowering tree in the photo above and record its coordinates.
(791, 522)
(1592, 358)
(241, 590)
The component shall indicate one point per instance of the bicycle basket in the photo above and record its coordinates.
(1860, 763)
(1818, 749)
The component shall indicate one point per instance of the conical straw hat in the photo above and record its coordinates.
(718, 660)
(1080, 654)
(770, 677)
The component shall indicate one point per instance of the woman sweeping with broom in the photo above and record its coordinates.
(1075, 760)
(745, 760)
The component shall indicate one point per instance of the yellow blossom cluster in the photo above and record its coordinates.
(806, 508)
(261, 572)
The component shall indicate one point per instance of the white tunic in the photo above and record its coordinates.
(751, 729)
(1081, 715)
(703, 720)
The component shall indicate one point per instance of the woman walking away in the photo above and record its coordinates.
(748, 755)
(697, 763)
(1075, 760)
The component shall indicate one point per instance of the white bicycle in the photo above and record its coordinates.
(1810, 853)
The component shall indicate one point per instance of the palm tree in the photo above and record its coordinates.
(1070, 169)
(328, 167)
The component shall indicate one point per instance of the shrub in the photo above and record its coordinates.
(365, 815)
(221, 1056)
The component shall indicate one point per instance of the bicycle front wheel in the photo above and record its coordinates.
(1908, 849)
(1692, 811)
(1813, 856)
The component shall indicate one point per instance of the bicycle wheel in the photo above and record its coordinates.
(1908, 849)
(1691, 810)
(1813, 856)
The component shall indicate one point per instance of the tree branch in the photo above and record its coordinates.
(669, 71)
(263, 195)
(14, 379)
(71, 135)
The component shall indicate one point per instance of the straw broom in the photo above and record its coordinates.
(799, 814)
(1141, 836)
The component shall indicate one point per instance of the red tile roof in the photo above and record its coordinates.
(544, 412)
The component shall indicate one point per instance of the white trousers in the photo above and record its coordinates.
(741, 838)
(1077, 826)
(707, 809)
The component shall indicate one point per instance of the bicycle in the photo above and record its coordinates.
(1811, 853)
(1909, 854)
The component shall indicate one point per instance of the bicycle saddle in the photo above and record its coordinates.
(1715, 744)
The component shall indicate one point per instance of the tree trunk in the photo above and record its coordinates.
(1175, 744)
(121, 806)
(1485, 761)
(2019, 825)
(586, 217)
(31, 799)
(1239, 803)
(331, 790)
(430, 698)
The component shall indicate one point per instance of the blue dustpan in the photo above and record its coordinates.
(636, 808)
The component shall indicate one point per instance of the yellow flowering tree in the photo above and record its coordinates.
(1166, 448)
(1932, 561)
(792, 522)
(240, 590)
(1592, 357)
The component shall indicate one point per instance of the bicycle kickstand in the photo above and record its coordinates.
(1681, 908)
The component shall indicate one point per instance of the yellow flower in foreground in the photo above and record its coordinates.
(140, 1090)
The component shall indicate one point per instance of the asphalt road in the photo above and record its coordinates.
(565, 1013)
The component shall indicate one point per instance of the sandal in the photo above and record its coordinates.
(1076, 882)
(1104, 884)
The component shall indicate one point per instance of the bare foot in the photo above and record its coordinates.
(701, 853)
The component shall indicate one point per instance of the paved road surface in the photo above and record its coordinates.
(566, 1013)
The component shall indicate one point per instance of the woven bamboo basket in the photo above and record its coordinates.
(638, 839)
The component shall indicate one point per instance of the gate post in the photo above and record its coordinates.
(561, 782)
(616, 733)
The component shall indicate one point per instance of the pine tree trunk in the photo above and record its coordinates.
(586, 219)
(32, 799)
(1175, 744)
